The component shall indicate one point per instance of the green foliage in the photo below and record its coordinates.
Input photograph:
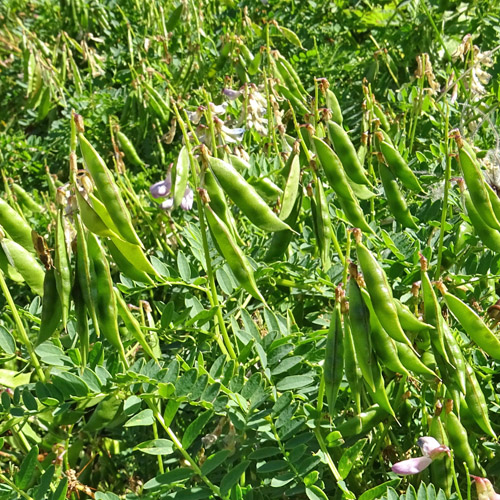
(175, 342)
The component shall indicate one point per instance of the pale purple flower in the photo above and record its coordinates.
(431, 450)
(411, 466)
(162, 189)
(231, 94)
(187, 200)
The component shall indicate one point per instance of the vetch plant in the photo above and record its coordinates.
(431, 450)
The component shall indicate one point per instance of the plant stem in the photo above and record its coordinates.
(185, 454)
(447, 177)
(324, 449)
(225, 346)
(21, 330)
(8, 482)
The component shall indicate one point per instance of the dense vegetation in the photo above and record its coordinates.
(249, 250)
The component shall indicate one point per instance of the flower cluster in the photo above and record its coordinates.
(431, 449)
(479, 77)
(162, 189)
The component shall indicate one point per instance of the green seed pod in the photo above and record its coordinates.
(103, 297)
(380, 292)
(25, 263)
(180, 176)
(397, 203)
(128, 149)
(333, 103)
(62, 267)
(440, 468)
(108, 191)
(245, 196)
(51, 308)
(399, 167)
(15, 226)
(232, 253)
(333, 367)
(347, 153)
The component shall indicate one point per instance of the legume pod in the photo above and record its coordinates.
(333, 368)
(380, 292)
(399, 167)
(232, 253)
(245, 196)
(25, 263)
(15, 226)
(473, 325)
(476, 184)
(347, 153)
(108, 191)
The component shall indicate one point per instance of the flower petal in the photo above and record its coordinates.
(187, 200)
(427, 444)
(167, 204)
(411, 466)
(231, 94)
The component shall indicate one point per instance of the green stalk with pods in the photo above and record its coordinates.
(102, 295)
(108, 191)
(380, 292)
